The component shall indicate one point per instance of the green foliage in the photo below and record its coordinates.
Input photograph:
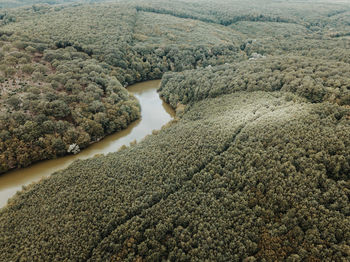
(256, 167)
(315, 79)
(241, 175)
(37, 5)
(140, 45)
(53, 96)
(227, 12)
(165, 30)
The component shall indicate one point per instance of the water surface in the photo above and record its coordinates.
(154, 114)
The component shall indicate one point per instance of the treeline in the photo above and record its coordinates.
(227, 182)
(271, 27)
(116, 34)
(216, 16)
(256, 168)
(229, 12)
(56, 99)
(21, 3)
(145, 54)
(251, 202)
(72, 78)
(176, 12)
(312, 46)
(314, 79)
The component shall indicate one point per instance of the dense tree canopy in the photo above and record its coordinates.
(317, 80)
(140, 45)
(254, 168)
(80, 69)
(237, 176)
(55, 99)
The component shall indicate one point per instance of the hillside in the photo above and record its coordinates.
(96, 38)
(54, 99)
(255, 167)
(232, 171)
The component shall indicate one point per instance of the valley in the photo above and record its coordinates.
(250, 156)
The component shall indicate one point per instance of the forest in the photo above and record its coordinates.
(255, 167)
(54, 99)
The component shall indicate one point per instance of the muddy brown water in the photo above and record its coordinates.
(154, 114)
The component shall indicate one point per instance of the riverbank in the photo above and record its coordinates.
(154, 114)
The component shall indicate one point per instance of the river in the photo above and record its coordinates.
(154, 114)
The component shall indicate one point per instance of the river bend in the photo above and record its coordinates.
(154, 114)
